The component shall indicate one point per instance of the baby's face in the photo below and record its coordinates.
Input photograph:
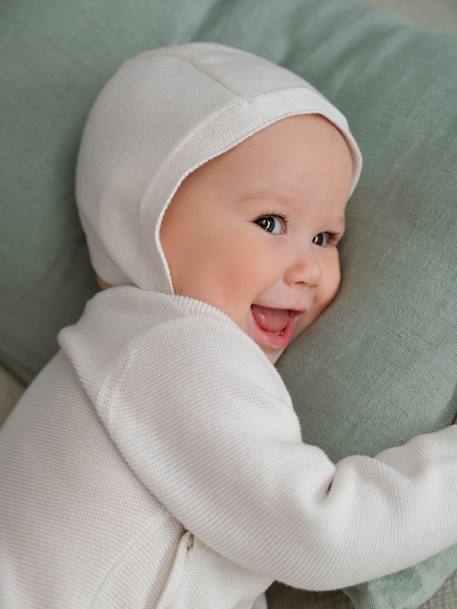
(227, 242)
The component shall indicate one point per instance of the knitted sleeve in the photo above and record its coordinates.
(225, 456)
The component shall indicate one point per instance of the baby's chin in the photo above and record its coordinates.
(275, 356)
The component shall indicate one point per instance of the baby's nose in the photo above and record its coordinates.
(305, 269)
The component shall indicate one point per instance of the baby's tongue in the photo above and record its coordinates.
(271, 320)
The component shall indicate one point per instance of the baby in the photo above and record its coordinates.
(157, 461)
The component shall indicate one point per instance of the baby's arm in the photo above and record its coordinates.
(225, 457)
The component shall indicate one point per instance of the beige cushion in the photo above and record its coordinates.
(439, 14)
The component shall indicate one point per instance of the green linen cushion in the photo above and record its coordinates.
(379, 366)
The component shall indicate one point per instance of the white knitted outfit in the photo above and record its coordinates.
(156, 462)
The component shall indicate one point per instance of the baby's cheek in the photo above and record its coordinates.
(330, 285)
(324, 299)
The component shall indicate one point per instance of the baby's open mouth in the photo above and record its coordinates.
(272, 320)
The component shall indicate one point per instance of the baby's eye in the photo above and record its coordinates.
(329, 238)
(266, 222)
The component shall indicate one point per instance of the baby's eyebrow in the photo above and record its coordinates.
(267, 194)
(284, 198)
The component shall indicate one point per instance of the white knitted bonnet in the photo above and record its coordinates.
(164, 113)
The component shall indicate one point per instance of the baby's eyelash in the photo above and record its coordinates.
(272, 213)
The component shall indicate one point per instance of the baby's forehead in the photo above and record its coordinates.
(283, 152)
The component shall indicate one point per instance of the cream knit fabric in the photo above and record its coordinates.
(156, 462)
